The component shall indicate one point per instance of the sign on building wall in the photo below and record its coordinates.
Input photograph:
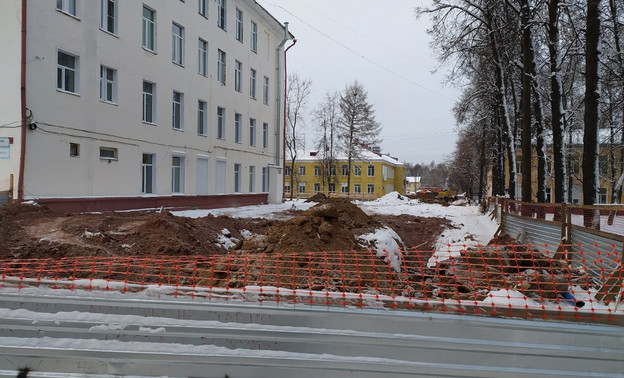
(5, 147)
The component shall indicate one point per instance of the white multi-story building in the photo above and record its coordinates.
(110, 104)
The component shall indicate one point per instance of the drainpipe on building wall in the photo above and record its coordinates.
(284, 139)
(20, 180)
(278, 97)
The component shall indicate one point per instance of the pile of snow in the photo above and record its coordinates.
(268, 211)
(226, 240)
(472, 227)
(386, 244)
(391, 199)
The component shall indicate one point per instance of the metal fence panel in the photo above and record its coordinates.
(599, 262)
(539, 233)
(178, 337)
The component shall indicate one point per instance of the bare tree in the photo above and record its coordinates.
(590, 135)
(297, 94)
(358, 128)
(327, 116)
(556, 104)
(476, 37)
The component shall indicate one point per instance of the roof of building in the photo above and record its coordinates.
(365, 155)
(273, 17)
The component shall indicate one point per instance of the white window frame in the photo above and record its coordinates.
(237, 177)
(202, 117)
(252, 83)
(357, 188)
(220, 122)
(265, 135)
(265, 91)
(108, 84)
(317, 170)
(357, 170)
(221, 65)
(345, 170)
(108, 21)
(548, 194)
(301, 188)
(222, 14)
(602, 195)
(371, 170)
(252, 132)
(148, 30)
(238, 76)
(331, 187)
(252, 179)
(239, 25)
(202, 57)
(317, 187)
(177, 111)
(254, 37)
(64, 71)
(265, 179)
(109, 153)
(148, 181)
(177, 174)
(344, 188)
(149, 97)
(67, 6)
(238, 128)
(177, 43)
(302, 170)
(370, 188)
(202, 7)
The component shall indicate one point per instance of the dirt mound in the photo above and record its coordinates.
(429, 197)
(331, 225)
(318, 197)
(29, 231)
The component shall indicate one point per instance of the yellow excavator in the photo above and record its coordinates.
(447, 194)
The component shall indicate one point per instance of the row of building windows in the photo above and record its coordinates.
(68, 63)
(109, 16)
(177, 122)
(344, 188)
(66, 81)
(68, 77)
(357, 170)
(148, 172)
(574, 164)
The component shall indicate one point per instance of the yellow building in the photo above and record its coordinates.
(372, 176)
(574, 173)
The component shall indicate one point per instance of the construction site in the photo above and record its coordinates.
(319, 257)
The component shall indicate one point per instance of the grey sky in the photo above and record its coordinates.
(382, 45)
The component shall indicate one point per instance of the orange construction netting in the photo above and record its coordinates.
(563, 282)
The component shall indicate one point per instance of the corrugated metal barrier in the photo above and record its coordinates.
(112, 334)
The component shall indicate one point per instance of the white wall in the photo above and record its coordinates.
(10, 104)
(67, 118)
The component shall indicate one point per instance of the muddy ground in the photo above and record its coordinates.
(28, 231)
(265, 251)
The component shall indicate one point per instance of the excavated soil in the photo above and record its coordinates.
(28, 231)
(302, 251)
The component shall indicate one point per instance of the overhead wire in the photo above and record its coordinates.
(346, 47)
